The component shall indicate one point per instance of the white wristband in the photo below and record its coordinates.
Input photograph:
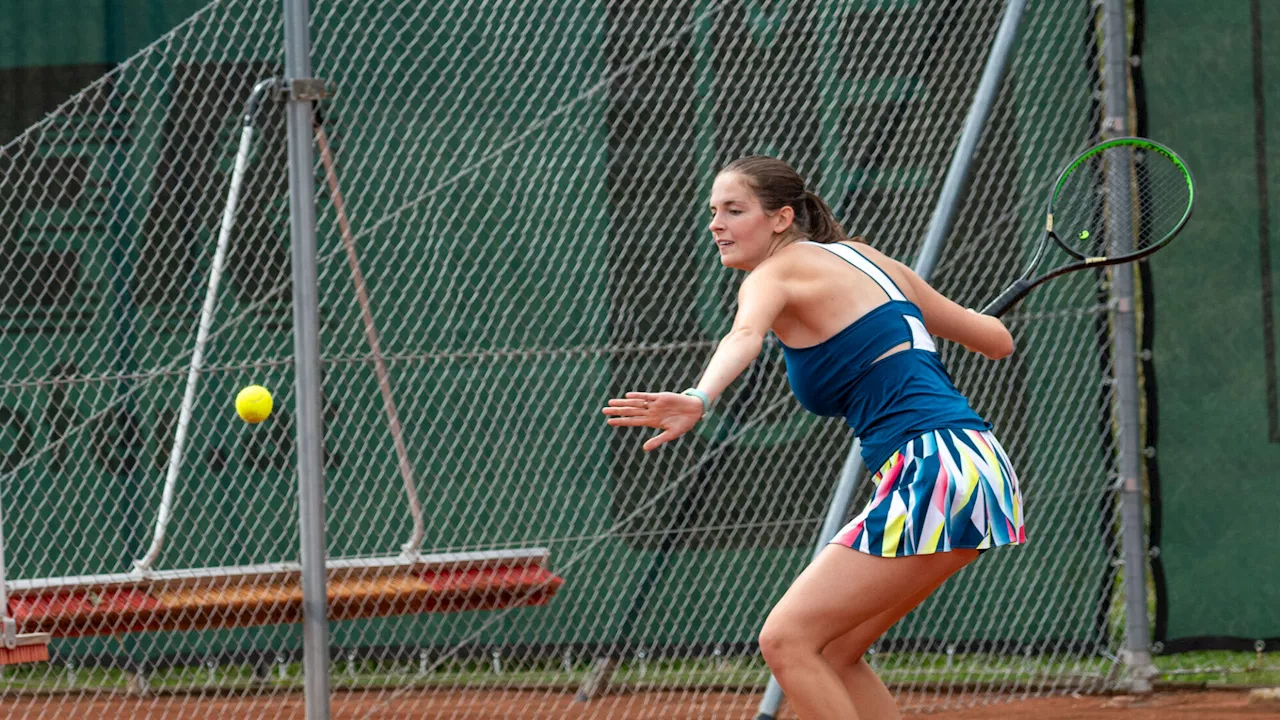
(706, 400)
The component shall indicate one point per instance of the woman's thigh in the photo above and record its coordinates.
(843, 589)
(849, 648)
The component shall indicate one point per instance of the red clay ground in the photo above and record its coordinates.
(467, 705)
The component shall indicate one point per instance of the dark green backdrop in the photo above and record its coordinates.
(1210, 87)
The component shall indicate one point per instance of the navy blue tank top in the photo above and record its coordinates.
(890, 402)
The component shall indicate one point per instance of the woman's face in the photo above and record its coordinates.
(743, 232)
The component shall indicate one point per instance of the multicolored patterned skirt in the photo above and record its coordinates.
(945, 490)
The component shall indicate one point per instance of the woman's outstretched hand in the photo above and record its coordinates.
(672, 413)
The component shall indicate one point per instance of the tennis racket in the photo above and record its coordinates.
(1084, 202)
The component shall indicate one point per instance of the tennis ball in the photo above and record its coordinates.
(253, 404)
(1084, 234)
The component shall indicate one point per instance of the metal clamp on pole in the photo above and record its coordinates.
(306, 89)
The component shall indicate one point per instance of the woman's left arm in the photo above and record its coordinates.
(761, 297)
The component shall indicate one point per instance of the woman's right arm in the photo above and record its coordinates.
(947, 319)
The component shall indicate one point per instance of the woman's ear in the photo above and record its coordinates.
(783, 218)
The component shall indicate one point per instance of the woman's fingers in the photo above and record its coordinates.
(642, 409)
(628, 402)
(625, 411)
(627, 407)
(636, 421)
(661, 439)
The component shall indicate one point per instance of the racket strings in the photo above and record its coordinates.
(1161, 200)
(1125, 199)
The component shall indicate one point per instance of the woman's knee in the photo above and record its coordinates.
(782, 643)
(773, 643)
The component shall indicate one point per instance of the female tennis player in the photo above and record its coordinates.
(856, 330)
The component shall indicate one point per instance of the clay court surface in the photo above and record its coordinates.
(1206, 705)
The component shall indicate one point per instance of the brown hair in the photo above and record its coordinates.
(777, 185)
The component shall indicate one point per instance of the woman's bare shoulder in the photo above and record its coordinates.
(902, 275)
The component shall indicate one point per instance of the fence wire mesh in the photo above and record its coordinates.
(511, 230)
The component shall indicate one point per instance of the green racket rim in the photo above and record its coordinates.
(1145, 144)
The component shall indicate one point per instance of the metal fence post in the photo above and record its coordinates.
(306, 332)
(1137, 642)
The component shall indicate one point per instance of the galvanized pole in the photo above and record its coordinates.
(1137, 642)
(944, 216)
(302, 90)
(957, 180)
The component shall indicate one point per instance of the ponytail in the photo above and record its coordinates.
(777, 184)
(821, 224)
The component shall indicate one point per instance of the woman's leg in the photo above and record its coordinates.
(841, 590)
(845, 655)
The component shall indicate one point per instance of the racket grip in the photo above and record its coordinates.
(1008, 298)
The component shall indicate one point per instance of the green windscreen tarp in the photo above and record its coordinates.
(1209, 86)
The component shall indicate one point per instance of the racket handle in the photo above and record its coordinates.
(1008, 298)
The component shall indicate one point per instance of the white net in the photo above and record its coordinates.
(524, 184)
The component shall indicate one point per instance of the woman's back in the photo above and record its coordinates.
(871, 359)
(826, 293)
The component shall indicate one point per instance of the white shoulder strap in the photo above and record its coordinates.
(858, 260)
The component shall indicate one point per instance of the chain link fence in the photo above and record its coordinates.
(511, 230)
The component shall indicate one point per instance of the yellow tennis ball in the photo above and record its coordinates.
(253, 404)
